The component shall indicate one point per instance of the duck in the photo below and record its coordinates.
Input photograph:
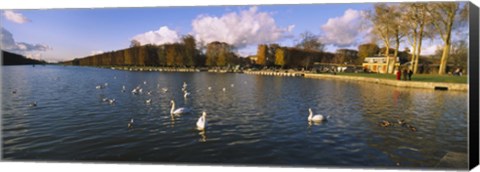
(148, 101)
(105, 99)
(178, 111)
(14, 92)
(111, 101)
(184, 84)
(209, 88)
(33, 104)
(385, 123)
(315, 118)
(100, 87)
(130, 124)
(164, 89)
(202, 121)
(411, 127)
(144, 82)
(223, 89)
(231, 85)
(401, 122)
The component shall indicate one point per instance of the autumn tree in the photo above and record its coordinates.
(367, 50)
(280, 57)
(262, 54)
(190, 50)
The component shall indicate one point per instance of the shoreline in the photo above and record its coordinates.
(396, 83)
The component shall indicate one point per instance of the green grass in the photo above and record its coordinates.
(415, 77)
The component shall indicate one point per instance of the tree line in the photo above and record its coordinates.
(183, 54)
(9, 58)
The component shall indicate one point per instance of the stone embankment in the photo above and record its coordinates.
(405, 84)
(275, 73)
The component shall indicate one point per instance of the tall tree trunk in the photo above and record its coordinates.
(387, 52)
(414, 53)
(395, 54)
(443, 62)
(420, 38)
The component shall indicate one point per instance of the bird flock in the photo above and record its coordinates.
(201, 123)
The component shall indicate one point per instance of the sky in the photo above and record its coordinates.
(64, 34)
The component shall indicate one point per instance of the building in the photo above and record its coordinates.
(379, 64)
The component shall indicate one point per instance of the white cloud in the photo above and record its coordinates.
(9, 44)
(248, 27)
(161, 36)
(15, 17)
(95, 52)
(429, 50)
(37, 56)
(346, 30)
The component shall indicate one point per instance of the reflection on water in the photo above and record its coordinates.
(256, 120)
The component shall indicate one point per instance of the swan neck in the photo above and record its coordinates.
(173, 107)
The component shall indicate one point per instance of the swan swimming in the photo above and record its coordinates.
(177, 111)
(315, 118)
(202, 121)
(186, 94)
(164, 89)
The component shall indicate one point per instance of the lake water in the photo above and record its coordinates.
(259, 120)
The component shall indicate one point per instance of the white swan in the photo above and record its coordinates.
(315, 118)
(202, 121)
(186, 94)
(177, 111)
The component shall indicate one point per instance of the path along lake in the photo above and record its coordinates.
(257, 120)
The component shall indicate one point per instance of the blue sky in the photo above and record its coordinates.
(64, 34)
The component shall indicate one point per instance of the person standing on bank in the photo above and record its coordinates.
(399, 74)
(410, 73)
(405, 73)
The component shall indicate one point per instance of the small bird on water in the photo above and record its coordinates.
(130, 124)
(33, 104)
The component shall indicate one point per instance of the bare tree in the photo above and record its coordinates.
(381, 19)
(444, 15)
(416, 18)
(310, 41)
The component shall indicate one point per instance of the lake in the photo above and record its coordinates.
(257, 120)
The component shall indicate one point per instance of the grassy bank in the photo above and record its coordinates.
(416, 77)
